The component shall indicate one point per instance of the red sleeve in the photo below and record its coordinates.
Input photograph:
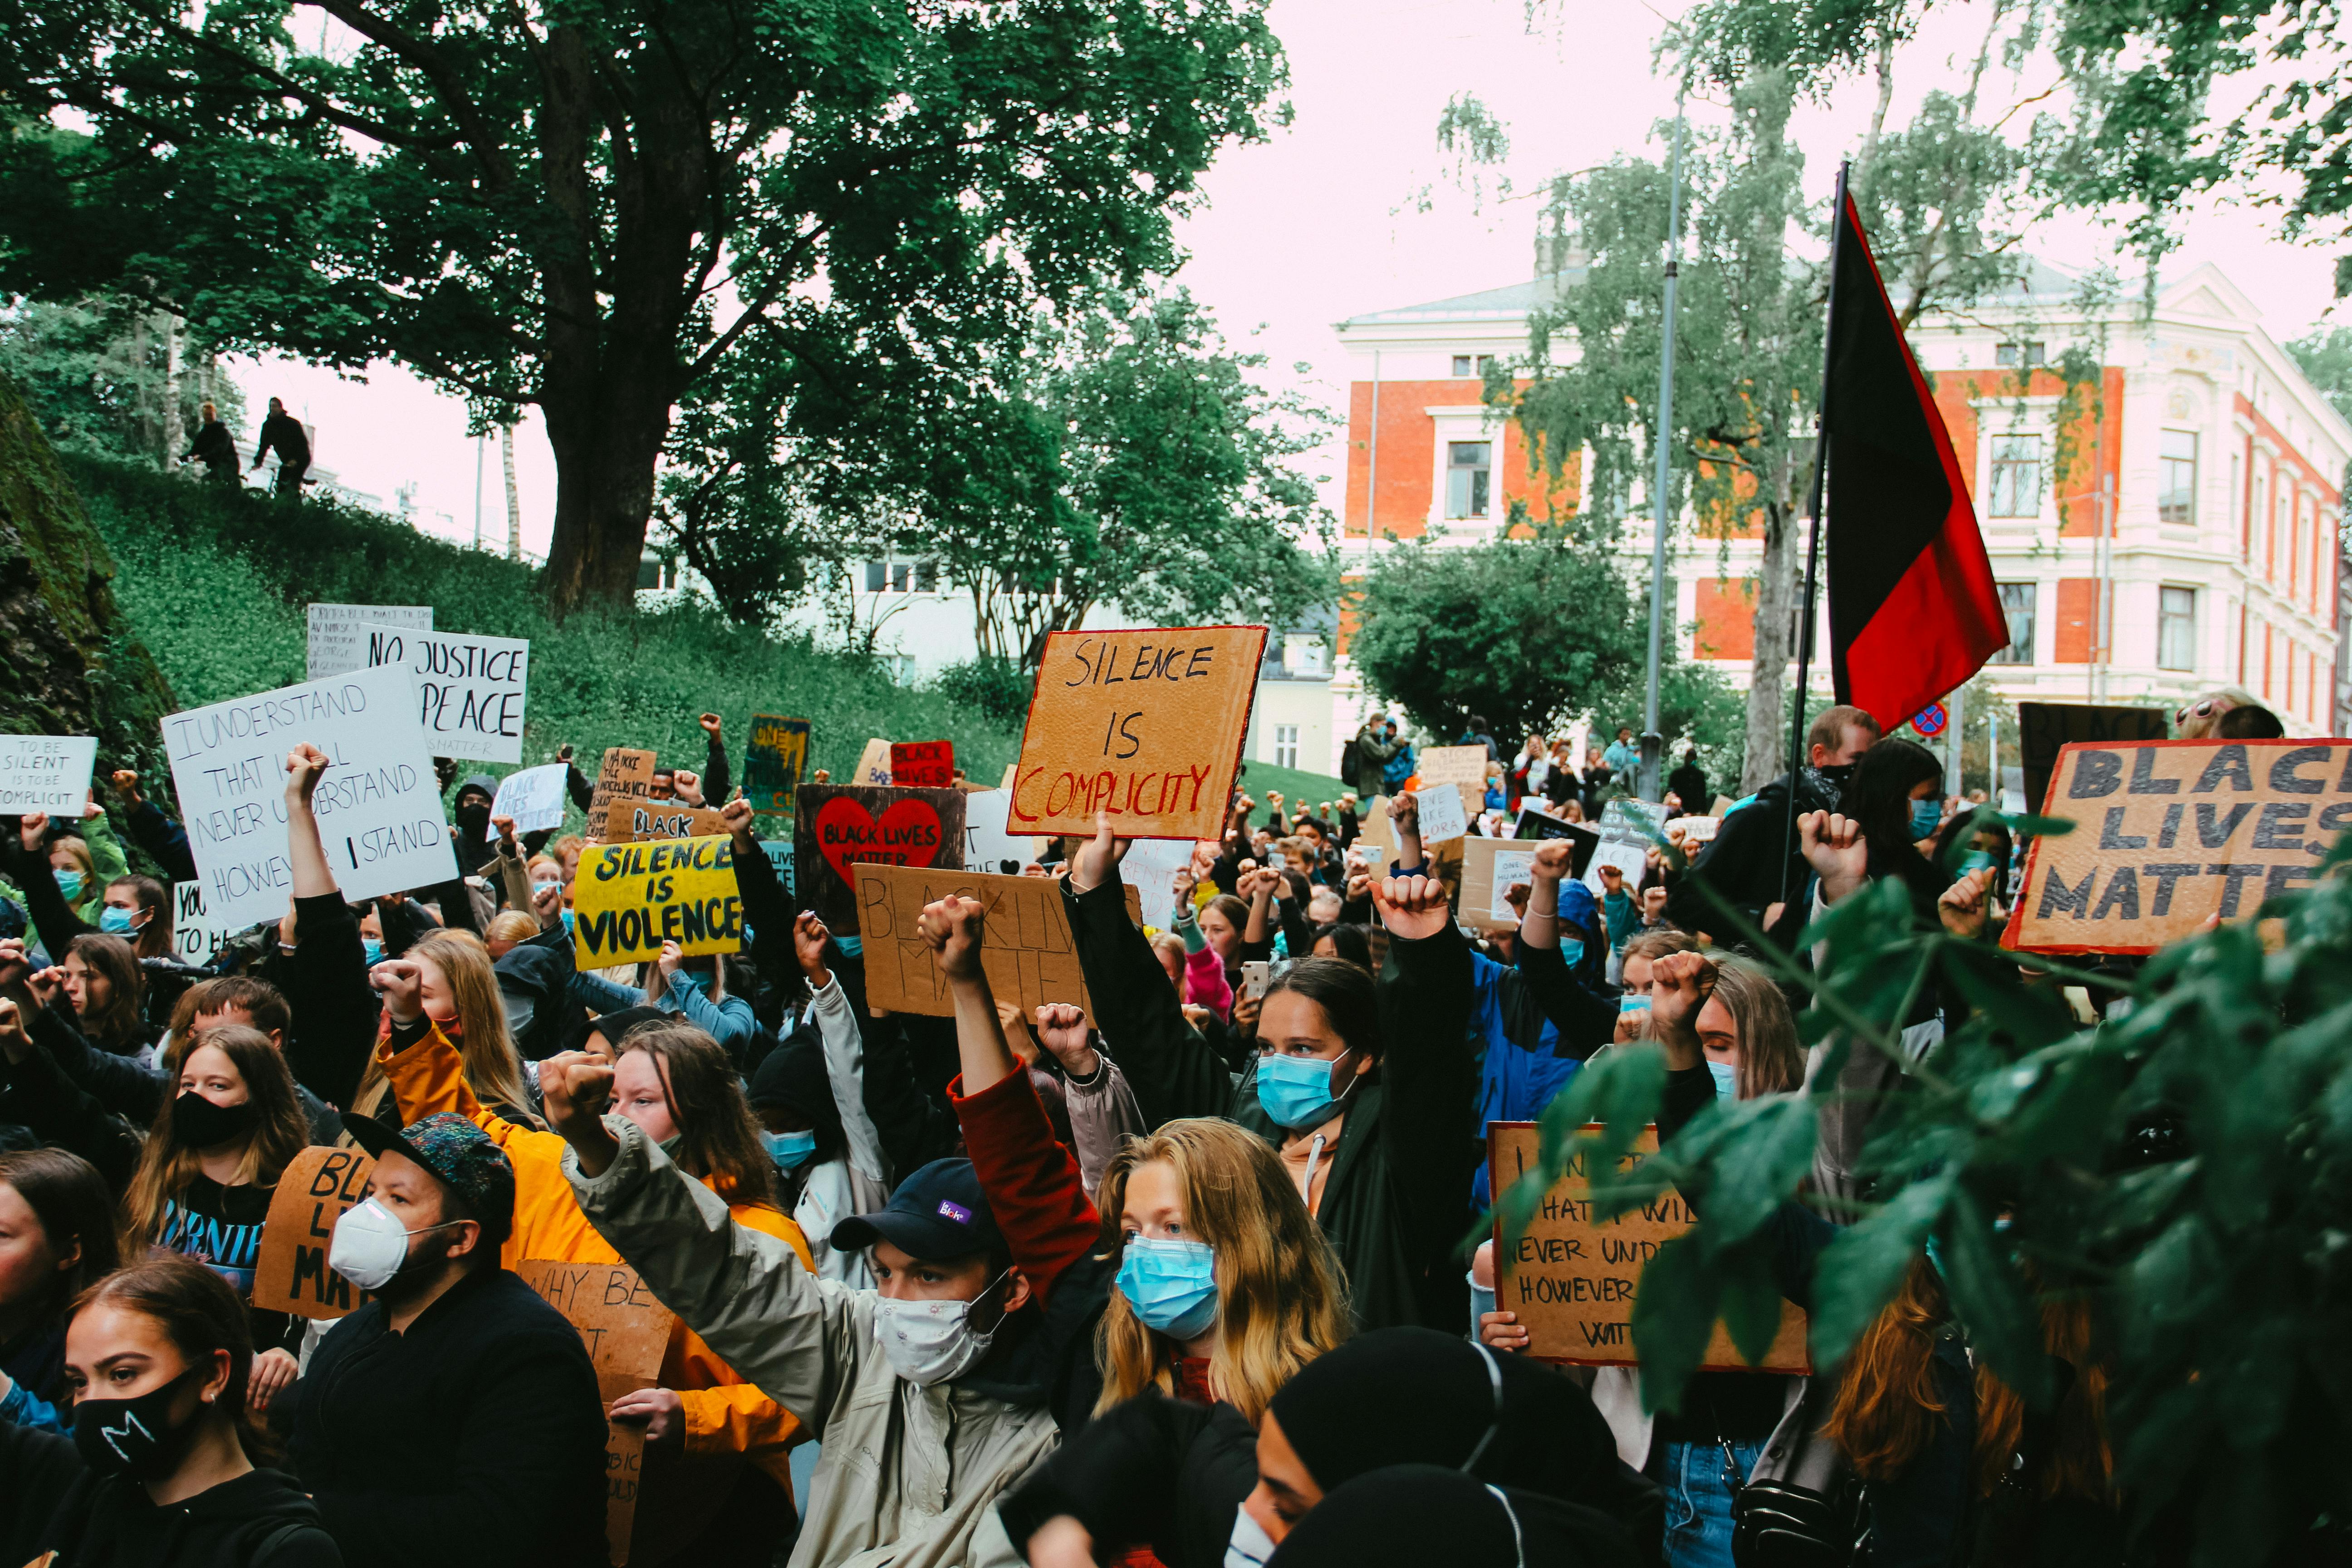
(1033, 1184)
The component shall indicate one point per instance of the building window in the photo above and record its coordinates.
(1285, 745)
(1469, 472)
(2017, 603)
(2176, 477)
(900, 667)
(902, 576)
(2176, 628)
(1472, 364)
(2017, 355)
(878, 574)
(2016, 477)
(656, 573)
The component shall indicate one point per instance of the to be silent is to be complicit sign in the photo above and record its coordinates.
(2170, 832)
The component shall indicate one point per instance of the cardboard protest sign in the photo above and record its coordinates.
(45, 772)
(625, 774)
(1696, 830)
(1573, 1282)
(469, 688)
(2043, 728)
(1375, 834)
(986, 846)
(634, 821)
(1441, 814)
(628, 1333)
(2168, 832)
(339, 633)
(922, 765)
(1028, 951)
(1462, 765)
(629, 899)
(290, 1272)
(1625, 842)
(873, 765)
(1145, 724)
(379, 805)
(838, 827)
(774, 760)
(534, 797)
(1490, 869)
(196, 937)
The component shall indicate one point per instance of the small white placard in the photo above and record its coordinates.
(1441, 814)
(534, 797)
(338, 643)
(45, 772)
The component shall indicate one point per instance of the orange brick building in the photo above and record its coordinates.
(2172, 526)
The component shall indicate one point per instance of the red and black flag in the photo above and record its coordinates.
(1913, 609)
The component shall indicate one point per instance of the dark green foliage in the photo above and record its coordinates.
(2185, 1167)
(217, 583)
(98, 371)
(996, 686)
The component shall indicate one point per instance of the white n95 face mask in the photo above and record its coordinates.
(369, 1245)
(930, 1341)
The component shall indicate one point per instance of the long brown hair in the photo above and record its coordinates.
(1770, 1059)
(114, 1025)
(280, 1132)
(154, 938)
(201, 1317)
(2082, 1462)
(718, 1138)
(493, 1068)
(1887, 1405)
(68, 1198)
(1282, 1296)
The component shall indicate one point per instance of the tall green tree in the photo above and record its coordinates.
(594, 208)
(107, 377)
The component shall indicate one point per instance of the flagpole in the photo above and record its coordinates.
(1812, 541)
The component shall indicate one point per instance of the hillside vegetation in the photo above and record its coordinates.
(215, 582)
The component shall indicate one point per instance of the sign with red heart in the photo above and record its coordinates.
(836, 826)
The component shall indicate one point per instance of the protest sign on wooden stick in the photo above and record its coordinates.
(290, 1272)
(628, 1333)
(1028, 951)
(625, 774)
(1145, 725)
(1573, 1281)
(2170, 832)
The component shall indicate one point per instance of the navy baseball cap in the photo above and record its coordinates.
(937, 1213)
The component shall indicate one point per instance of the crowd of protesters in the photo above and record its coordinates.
(1181, 1283)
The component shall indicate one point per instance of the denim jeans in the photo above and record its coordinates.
(1698, 1501)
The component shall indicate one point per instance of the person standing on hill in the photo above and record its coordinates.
(215, 447)
(283, 434)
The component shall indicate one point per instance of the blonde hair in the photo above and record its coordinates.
(1281, 1291)
(78, 853)
(280, 1132)
(1770, 1059)
(493, 1069)
(511, 925)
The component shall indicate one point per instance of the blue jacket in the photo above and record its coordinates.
(1521, 1071)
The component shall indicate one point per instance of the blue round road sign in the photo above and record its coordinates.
(1931, 721)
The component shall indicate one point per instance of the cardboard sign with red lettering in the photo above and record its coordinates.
(1573, 1282)
(922, 765)
(2170, 832)
(1145, 724)
(290, 1272)
(628, 1333)
(838, 826)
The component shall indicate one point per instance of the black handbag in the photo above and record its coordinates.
(1777, 1525)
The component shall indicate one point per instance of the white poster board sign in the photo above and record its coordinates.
(986, 844)
(1513, 867)
(1441, 814)
(45, 772)
(469, 688)
(379, 805)
(534, 797)
(1151, 869)
(196, 937)
(1625, 842)
(337, 638)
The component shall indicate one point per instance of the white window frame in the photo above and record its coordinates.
(2164, 619)
(1286, 739)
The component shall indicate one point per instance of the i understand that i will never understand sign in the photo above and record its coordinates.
(2170, 832)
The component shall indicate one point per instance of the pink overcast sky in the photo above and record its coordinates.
(1320, 223)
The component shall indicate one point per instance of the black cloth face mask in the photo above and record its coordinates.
(134, 1437)
(201, 1123)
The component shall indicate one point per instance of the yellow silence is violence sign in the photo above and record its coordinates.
(629, 899)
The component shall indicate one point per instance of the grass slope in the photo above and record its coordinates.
(215, 583)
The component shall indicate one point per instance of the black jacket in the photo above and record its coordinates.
(283, 433)
(1689, 781)
(1152, 1471)
(215, 447)
(257, 1521)
(1746, 864)
(477, 1436)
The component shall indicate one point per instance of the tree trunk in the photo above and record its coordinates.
(74, 665)
(174, 434)
(1776, 613)
(514, 497)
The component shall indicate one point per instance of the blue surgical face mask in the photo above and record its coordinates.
(1727, 1079)
(1976, 860)
(1927, 816)
(790, 1149)
(69, 884)
(1634, 1002)
(1572, 951)
(1481, 1301)
(851, 946)
(1170, 1285)
(567, 922)
(373, 949)
(1296, 1091)
(119, 921)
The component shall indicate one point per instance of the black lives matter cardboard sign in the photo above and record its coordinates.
(2170, 832)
